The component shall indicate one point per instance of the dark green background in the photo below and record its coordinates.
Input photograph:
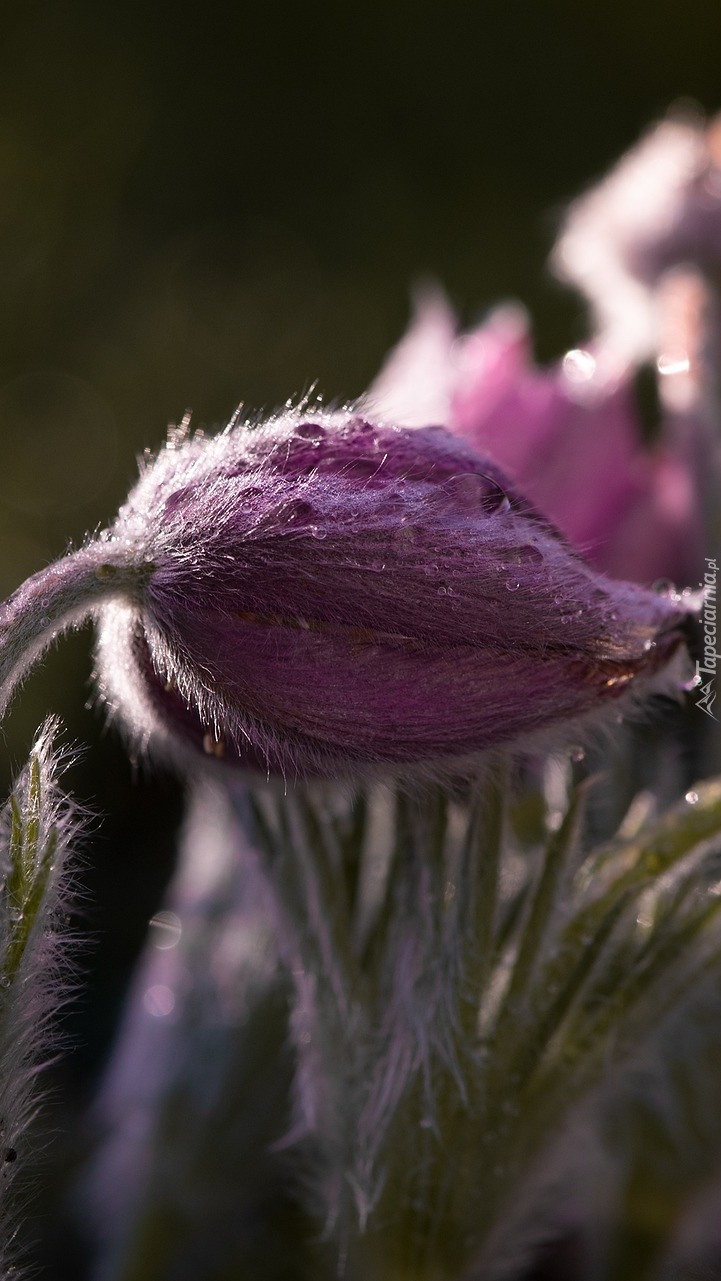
(221, 203)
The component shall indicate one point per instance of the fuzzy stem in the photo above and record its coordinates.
(58, 597)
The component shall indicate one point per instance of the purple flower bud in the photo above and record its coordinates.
(322, 594)
(569, 437)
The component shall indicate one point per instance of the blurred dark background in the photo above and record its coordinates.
(218, 203)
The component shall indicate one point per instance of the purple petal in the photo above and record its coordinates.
(570, 438)
(416, 383)
(659, 206)
(575, 449)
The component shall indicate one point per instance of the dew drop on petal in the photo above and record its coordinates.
(531, 553)
(691, 798)
(299, 509)
(475, 491)
(310, 431)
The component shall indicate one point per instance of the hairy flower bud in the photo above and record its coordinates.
(327, 594)
(319, 594)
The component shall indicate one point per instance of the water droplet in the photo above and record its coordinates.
(471, 492)
(317, 531)
(670, 363)
(44, 621)
(512, 585)
(579, 366)
(159, 1000)
(578, 754)
(649, 645)
(165, 930)
(531, 553)
(442, 591)
(310, 431)
(663, 586)
(691, 798)
(299, 509)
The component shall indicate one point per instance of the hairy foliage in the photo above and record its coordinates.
(38, 828)
(459, 997)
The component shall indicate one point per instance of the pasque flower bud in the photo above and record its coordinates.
(317, 594)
